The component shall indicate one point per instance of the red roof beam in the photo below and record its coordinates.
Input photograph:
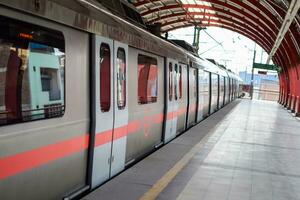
(247, 15)
(251, 26)
(244, 32)
(259, 9)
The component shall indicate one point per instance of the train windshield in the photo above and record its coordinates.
(32, 65)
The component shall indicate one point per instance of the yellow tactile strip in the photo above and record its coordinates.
(164, 181)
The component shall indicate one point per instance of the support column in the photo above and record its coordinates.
(282, 97)
(289, 101)
(252, 74)
(286, 101)
(297, 108)
(166, 35)
(196, 39)
(293, 103)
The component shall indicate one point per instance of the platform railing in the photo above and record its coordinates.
(262, 94)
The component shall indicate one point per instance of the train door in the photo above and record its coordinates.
(214, 92)
(233, 90)
(110, 110)
(224, 95)
(230, 88)
(222, 91)
(227, 90)
(219, 91)
(193, 93)
(201, 94)
(172, 100)
(120, 108)
(182, 97)
(206, 94)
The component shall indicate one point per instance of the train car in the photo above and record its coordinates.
(234, 82)
(215, 72)
(85, 93)
(227, 89)
(204, 94)
(237, 82)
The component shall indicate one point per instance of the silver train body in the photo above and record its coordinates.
(101, 94)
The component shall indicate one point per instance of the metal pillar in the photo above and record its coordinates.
(196, 40)
(252, 75)
(166, 35)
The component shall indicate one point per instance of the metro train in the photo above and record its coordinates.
(85, 93)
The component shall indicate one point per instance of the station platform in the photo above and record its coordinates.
(247, 150)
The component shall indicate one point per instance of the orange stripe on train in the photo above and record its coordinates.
(20, 162)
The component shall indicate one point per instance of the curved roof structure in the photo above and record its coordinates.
(259, 20)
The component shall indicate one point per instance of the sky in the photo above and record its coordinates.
(231, 49)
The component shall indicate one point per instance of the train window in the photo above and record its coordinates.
(32, 65)
(147, 79)
(180, 81)
(105, 77)
(176, 82)
(222, 82)
(121, 78)
(170, 81)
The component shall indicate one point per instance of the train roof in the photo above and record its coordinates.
(209, 66)
(92, 17)
(234, 76)
(199, 62)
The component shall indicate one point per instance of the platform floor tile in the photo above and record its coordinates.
(257, 157)
(251, 152)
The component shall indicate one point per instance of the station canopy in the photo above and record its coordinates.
(263, 21)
